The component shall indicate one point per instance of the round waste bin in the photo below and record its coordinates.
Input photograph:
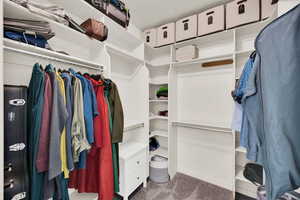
(159, 169)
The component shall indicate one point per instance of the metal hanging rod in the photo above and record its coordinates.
(91, 66)
(135, 126)
(202, 127)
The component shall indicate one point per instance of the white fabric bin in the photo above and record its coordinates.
(150, 37)
(186, 53)
(186, 28)
(159, 170)
(240, 12)
(211, 21)
(166, 34)
(268, 7)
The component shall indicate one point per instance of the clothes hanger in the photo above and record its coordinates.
(253, 55)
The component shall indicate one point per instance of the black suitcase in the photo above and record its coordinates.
(101, 5)
(16, 182)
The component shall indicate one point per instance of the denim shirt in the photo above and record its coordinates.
(278, 107)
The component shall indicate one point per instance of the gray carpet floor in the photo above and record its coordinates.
(182, 187)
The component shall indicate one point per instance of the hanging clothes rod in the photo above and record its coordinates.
(134, 126)
(202, 127)
(77, 61)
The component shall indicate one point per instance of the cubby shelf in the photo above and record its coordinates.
(158, 101)
(161, 151)
(158, 117)
(160, 133)
(158, 82)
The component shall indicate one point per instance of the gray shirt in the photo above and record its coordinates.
(79, 140)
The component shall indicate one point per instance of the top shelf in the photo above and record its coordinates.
(14, 10)
(37, 51)
(117, 35)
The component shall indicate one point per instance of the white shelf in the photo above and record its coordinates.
(117, 34)
(202, 60)
(148, 63)
(241, 149)
(239, 175)
(158, 101)
(160, 133)
(124, 54)
(244, 52)
(202, 127)
(158, 82)
(16, 46)
(161, 151)
(132, 126)
(158, 117)
(129, 149)
(13, 10)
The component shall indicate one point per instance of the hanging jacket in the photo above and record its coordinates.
(97, 177)
(277, 98)
(116, 111)
(35, 108)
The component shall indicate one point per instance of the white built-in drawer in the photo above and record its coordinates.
(132, 171)
(134, 179)
(136, 162)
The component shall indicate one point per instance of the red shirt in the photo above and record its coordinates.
(98, 175)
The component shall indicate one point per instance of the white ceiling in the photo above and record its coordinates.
(151, 13)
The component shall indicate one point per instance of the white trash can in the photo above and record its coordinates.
(159, 169)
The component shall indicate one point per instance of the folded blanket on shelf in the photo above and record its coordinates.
(39, 28)
(52, 12)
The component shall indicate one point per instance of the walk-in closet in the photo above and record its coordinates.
(149, 100)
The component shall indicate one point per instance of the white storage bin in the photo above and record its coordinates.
(186, 53)
(186, 28)
(211, 21)
(166, 34)
(241, 12)
(150, 37)
(268, 8)
(159, 169)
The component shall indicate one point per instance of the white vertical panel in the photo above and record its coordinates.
(206, 155)
(205, 97)
(1, 104)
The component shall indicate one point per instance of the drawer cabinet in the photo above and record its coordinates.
(132, 172)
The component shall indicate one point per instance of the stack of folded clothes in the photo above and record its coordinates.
(52, 12)
(162, 93)
(28, 31)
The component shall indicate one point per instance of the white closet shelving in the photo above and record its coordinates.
(200, 106)
(158, 62)
(122, 58)
(199, 103)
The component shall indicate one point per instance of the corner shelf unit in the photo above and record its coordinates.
(200, 106)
